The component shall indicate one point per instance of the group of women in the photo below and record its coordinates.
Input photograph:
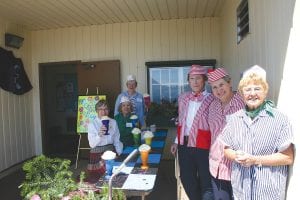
(232, 145)
(119, 134)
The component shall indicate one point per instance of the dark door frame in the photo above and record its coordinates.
(44, 131)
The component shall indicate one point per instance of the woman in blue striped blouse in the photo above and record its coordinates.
(259, 139)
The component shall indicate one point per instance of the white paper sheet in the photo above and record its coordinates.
(139, 182)
(126, 170)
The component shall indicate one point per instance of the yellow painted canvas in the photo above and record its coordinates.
(86, 111)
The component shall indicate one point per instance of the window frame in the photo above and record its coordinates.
(242, 20)
(182, 63)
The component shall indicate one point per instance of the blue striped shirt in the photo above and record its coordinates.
(264, 135)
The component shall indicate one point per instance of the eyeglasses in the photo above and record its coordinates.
(102, 109)
(250, 90)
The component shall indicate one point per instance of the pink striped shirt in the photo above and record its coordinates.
(200, 122)
(219, 166)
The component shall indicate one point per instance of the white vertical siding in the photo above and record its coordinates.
(16, 125)
(173, 34)
(133, 43)
(140, 55)
(265, 45)
(124, 58)
(181, 45)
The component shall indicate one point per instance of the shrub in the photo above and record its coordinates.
(162, 114)
(51, 179)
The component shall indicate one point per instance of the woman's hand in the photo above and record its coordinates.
(102, 131)
(174, 149)
(245, 159)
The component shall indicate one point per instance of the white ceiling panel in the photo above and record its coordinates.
(52, 14)
(201, 8)
(210, 9)
(116, 8)
(144, 8)
(182, 9)
(163, 9)
(135, 9)
(173, 9)
(153, 6)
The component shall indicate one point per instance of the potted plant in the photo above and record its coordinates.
(162, 114)
(51, 179)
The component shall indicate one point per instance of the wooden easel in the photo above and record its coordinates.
(80, 136)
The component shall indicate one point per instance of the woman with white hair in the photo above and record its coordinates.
(135, 98)
(259, 141)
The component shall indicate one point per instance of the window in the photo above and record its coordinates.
(167, 82)
(242, 20)
(168, 79)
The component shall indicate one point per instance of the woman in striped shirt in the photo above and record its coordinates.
(226, 102)
(259, 139)
(193, 137)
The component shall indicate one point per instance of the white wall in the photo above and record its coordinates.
(266, 45)
(16, 117)
(273, 43)
(289, 96)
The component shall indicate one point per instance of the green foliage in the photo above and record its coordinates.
(162, 114)
(116, 194)
(49, 178)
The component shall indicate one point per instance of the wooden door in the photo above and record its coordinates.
(102, 74)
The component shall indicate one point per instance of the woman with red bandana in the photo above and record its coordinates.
(193, 137)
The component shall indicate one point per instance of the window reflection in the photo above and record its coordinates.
(155, 93)
(165, 76)
(167, 82)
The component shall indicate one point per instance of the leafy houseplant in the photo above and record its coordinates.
(51, 179)
(47, 177)
(162, 114)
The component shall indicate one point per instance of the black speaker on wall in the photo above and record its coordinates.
(13, 40)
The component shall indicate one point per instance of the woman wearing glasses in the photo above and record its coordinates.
(259, 141)
(101, 139)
